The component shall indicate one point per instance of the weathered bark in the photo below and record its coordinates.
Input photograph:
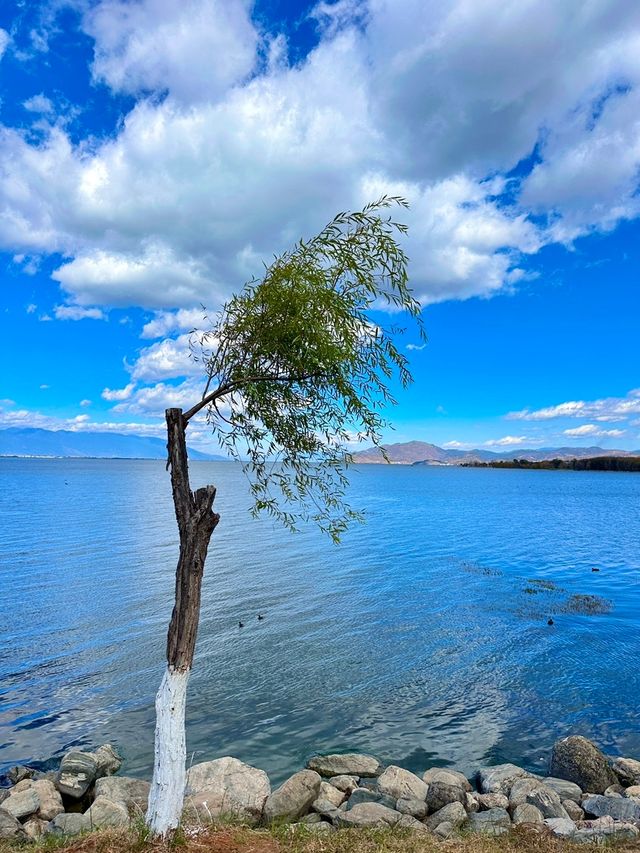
(196, 523)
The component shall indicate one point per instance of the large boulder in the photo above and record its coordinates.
(453, 813)
(67, 823)
(547, 801)
(573, 810)
(410, 824)
(344, 783)
(449, 777)
(132, 793)
(491, 801)
(627, 770)
(10, 826)
(563, 827)
(227, 786)
(579, 760)
(413, 807)
(367, 814)
(491, 822)
(294, 797)
(35, 827)
(440, 794)
(619, 808)
(499, 779)
(23, 803)
(333, 795)
(50, 799)
(107, 759)
(398, 782)
(564, 789)
(78, 771)
(526, 813)
(104, 812)
(366, 795)
(346, 764)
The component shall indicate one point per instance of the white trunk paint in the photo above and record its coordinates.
(170, 754)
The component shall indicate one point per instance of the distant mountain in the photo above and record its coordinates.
(423, 453)
(28, 441)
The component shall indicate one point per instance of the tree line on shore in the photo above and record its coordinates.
(596, 463)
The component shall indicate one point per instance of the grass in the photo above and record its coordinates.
(288, 839)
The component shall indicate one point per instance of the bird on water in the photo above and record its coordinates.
(240, 624)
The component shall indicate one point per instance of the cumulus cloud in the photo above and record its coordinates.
(166, 322)
(118, 393)
(4, 41)
(166, 359)
(79, 423)
(605, 409)
(152, 401)
(507, 441)
(593, 431)
(39, 104)
(76, 312)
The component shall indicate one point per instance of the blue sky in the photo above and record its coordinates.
(152, 153)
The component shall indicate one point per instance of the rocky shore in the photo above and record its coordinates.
(587, 796)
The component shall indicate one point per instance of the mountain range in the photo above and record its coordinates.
(29, 441)
(423, 453)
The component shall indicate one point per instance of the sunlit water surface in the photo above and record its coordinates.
(415, 639)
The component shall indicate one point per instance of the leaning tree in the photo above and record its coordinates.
(293, 369)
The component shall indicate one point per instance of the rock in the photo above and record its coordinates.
(492, 801)
(228, 786)
(563, 827)
(368, 814)
(333, 795)
(521, 789)
(78, 771)
(632, 791)
(104, 812)
(527, 813)
(10, 826)
(547, 801)
(50, 799)
(627, 770)
(4, 793)
(579, 760)
(18, 773)
(22, 785)
(347, 764)
(491, 822)
(107, 759)
(69, 824)
(449, 777)
(614, 791)
(413, 807)
(444, 830)
(499, 779)
(22, 804)
(407, 822)
(471, 803)
(310, 818)
(573, 810)
(440, 794)
(347, 784)
(325, 809)
(564, 789)
(294, 797)
(619, 808)
(453, 813)
(35, 827)
(321, 827)
(398, 783)
(132, 793)
(365, 795)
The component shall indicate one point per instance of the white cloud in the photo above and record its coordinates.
(195, 49)
(31, 308)
(166, 322)
(507, 441)
(76, 312)
(153, 400)
(605, 409)
(455, 445)
(44, 387)
(85, 403)
(39, 104)
(79, 423)
(593, 431)
(118, 394)
(4, 41)
(416, 347)
(166, 359)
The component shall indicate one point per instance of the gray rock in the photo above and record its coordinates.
(631, 791)
(618, 808)
(310, 818)
(564, 789)
(368, 814)
(526, 813)
(444, 830)
(78, 771)
(104, 812)
(547, 801)
(69, 824)
(411, 824)
(35, 827)
(499, 779)
(294, 797)
(492, 801)
(22, 785)
(50, 799)
(449, 777)
(365, 795)
(227, 786)
(563, 827)
(4, 793)
(453, 813)
(579, 760)
(573, 810)
(413, 807)
(10, 827)
(614, 791)
(347, 764)
(333, 795)
(22, 803)
(132, 793)
(19, 772)
(398, 782)
(627, 770)
(343, 783)
(492, 822)
(107, 759)
(325, 809)
(440, 794)
(471, 803)
(322, 827)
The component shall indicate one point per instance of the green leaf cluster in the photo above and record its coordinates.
(298, 370)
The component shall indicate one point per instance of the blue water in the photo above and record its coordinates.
(414, 639)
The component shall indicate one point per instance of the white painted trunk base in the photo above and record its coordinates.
(170, 754)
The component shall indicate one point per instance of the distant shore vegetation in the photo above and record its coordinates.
(596, 463)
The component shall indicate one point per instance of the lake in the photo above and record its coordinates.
(423, 638)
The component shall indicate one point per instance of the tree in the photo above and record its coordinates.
(294, 367)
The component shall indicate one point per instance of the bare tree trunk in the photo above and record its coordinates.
(196, 523)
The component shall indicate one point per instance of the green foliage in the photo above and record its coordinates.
(298, 369)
